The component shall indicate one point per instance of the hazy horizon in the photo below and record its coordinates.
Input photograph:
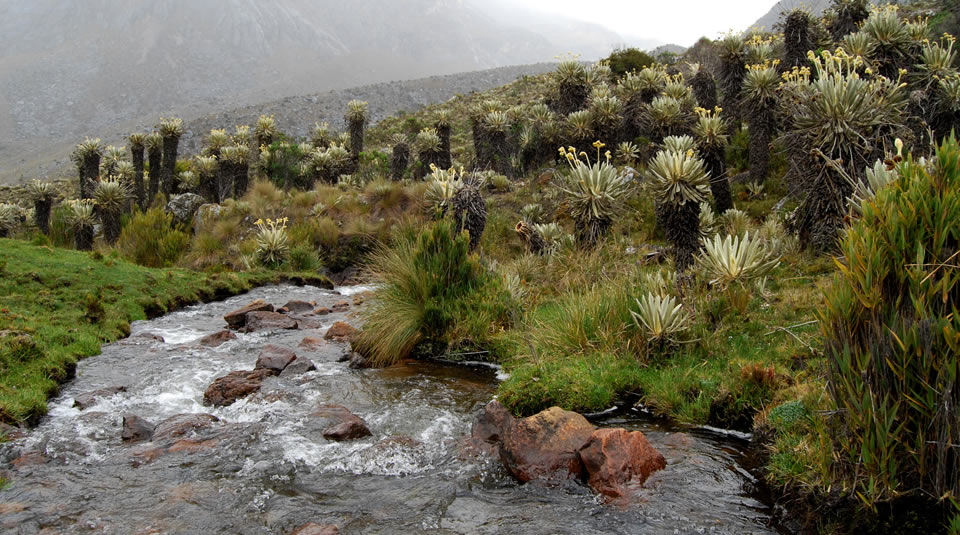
(681, 22)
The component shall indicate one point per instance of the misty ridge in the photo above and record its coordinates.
(103, 67)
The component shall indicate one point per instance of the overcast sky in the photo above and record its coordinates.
(680, 22)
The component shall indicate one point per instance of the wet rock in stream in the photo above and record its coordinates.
(238, 318)
(89, 399)
(336, 422)
(235, 385)
(136, 429)
(556, 445)
(216, 339)
(316, 529)
(341, 332)
(274, 358)
(266, 321)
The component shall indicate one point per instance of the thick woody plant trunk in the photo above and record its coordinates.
(681, 225)
(83, 237)
(715, 163)
(41, 214)
(704, 90)
(588, 231)
(88, 174)
(399, 162)
(111, 224)
(136, 154)
(155, 159)
(356, 139)
(500, 153)
(171, 130)
(446, 160)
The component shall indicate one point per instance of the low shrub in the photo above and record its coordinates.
(892, 334)
(151, 239)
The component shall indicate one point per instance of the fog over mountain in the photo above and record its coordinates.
(76, 68)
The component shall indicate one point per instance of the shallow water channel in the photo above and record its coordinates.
(263, 470)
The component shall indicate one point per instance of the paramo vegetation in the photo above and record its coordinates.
(765, 239)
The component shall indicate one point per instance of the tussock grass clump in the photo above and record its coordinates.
(892, 334)
(430, 292)
(151, 239)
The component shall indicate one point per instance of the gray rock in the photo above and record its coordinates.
(136, 429)
(206, 215)
(184, 207)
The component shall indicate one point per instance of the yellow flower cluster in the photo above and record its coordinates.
(574, 158)
(272, 223)
(701, 112)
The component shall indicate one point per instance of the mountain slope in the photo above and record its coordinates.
(74, 69)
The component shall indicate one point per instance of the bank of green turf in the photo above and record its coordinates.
(58, 306)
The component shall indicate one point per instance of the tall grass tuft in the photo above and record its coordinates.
(892, 335)
(430, 291)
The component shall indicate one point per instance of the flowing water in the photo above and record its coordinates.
(264, 470)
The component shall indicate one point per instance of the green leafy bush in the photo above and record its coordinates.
(151, 239)
(432, 292)
(624, 60)
(892, 335)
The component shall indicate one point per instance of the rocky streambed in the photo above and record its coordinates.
(151, 438)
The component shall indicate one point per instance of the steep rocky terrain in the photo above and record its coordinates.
(94, 68)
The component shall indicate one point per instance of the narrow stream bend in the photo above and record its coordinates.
(264, 470)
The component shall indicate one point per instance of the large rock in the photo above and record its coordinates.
(312, 343)
(181, 424)
(616, 459)
(238, 318)
(487, 431)
(274, 358)
(89, 399)
(136, 429)
(299, 307)
(316, 529)
(340, 306)
(545, 445)
(268, 321)
(336, 422)
(184, 207)
(300, 365)
(206, 216)
(235, 385)
(341, 332)
(217, 339)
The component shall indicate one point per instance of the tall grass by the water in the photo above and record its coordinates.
(431, 291)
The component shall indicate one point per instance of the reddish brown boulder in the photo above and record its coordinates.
(299, 307)
(316, 529)
(89, 399)
(262, 321)
(616, 458)
(233, 386)
(322, 311)
(181, 424)
(136, 429)
(238, 317)
(282, 310)
(488, 429)
(340, 306)
(336, 422)
(545, 445)
(341, 332)
(216, 339)
(274, 358)
(312, 343)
